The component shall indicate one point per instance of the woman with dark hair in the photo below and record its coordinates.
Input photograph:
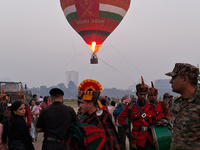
(16, 130)
(45, 103)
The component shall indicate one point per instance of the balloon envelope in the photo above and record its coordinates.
(94, 20)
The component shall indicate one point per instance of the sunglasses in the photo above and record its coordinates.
(79, 102)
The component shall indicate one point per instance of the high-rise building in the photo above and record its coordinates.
(72, 76)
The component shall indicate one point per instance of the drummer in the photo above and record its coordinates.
(141, 120)
(160, 108)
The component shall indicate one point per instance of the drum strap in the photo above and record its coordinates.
(143, 115)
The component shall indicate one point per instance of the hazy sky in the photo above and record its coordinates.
(38, 45)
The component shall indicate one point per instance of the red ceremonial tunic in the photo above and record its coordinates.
(138, 137)
(28, 116)
(161, 111)
(105, 108)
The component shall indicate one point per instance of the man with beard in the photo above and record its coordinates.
(186, 109)
(159, 107)
(4, 108)
(93, 115)
(141, 120)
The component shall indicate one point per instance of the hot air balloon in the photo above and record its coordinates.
(94, 20)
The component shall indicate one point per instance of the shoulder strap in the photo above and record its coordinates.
(143, 115)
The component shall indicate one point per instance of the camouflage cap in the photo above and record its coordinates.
(185, 70)
(141, 87)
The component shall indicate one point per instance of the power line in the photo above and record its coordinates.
(130, 63)
(62, 69)
(71, 40)
(92, 71)
(116, 70)
(103, 49)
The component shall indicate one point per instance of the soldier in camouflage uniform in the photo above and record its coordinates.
(186, 109)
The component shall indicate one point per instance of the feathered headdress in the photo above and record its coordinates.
(3, 95)
(141, 87)
(21, 95)
(90, 90)
(90, 85)
(153, 90)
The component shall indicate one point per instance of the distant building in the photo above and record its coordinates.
(72, 76)
(163, 87)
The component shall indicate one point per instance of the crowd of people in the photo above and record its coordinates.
(18, 121)
(103, 124)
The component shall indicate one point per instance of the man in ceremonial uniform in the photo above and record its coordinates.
(5, 109)
(159, 107)
(93, 115)
(141, 120)
(167, 99)
(186, 109)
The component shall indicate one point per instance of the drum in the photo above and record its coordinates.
(162, 137)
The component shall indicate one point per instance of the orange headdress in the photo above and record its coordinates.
(90, 90)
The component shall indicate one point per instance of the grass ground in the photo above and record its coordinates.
(70, 103)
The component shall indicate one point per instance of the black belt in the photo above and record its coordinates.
(144, 129)
(52, 139)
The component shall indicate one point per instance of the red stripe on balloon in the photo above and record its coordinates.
(97, 39)
(66, 3)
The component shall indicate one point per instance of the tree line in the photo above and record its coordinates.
(72, 90)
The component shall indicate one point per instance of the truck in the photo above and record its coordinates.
(12, 89)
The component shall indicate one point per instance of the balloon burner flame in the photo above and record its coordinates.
(93, 46)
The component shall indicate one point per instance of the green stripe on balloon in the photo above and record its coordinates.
(72, 16)
(109, 15)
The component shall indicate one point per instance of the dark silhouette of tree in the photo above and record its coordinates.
(116, 92)
(73, 89)
(65, 90)
(72, 86)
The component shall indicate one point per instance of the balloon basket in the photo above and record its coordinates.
(94, 59)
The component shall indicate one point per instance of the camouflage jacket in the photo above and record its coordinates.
(186, 119)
